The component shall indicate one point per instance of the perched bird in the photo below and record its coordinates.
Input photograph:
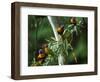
(73, 20)
(60, 30)
(41, 54)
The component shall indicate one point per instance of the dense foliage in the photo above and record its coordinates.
(44, 49)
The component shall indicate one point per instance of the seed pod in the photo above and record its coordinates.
(46, 50)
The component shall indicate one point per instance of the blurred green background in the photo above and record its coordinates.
(39, 30)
